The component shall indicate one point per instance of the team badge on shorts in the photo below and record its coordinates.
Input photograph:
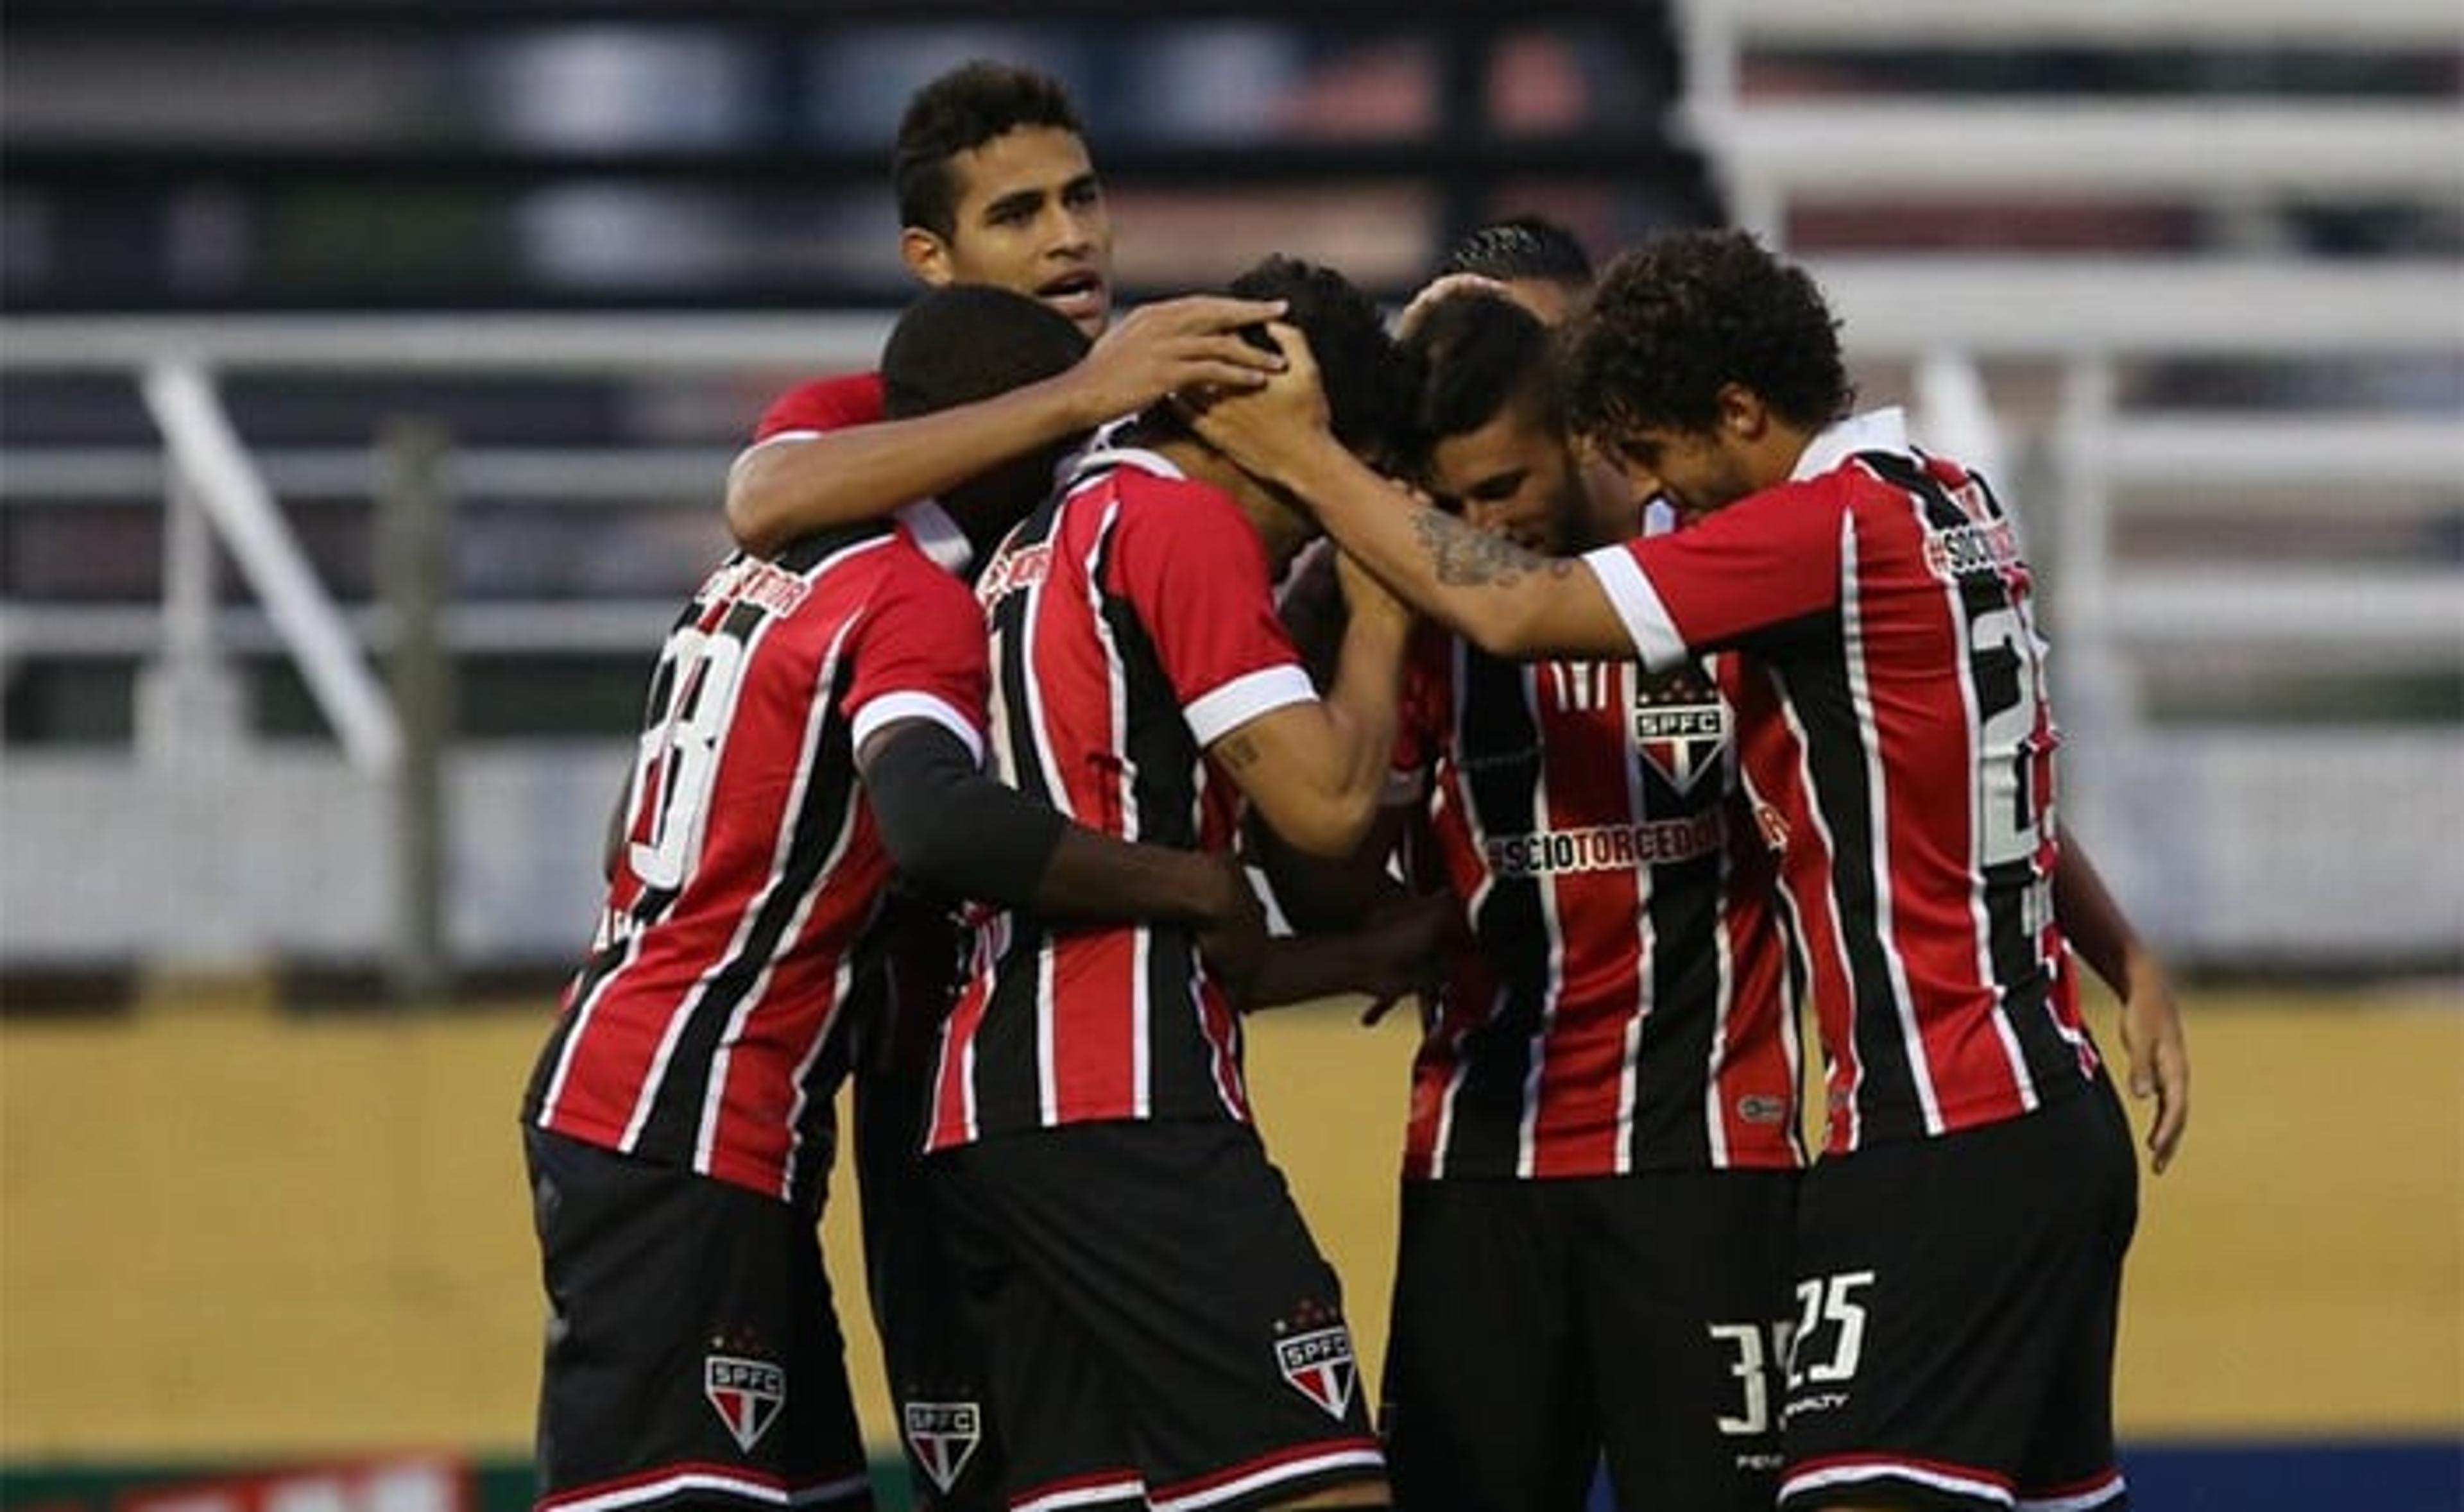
(747, 1394)
(1318, 1365)
(945, 1435)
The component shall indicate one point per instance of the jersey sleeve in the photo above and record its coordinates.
(1190, 563)
(824, 405)
(921, 655)
(1763, 563)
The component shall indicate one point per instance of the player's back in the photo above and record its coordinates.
(1132, 624)
(698, 1034)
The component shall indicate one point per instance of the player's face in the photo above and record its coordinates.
(1515, 476)
(1030, 218)
(1696, 470)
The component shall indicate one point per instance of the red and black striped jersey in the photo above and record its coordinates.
(1132, 626)
(1627, 1007)
(1889, 688)
(701, 1032)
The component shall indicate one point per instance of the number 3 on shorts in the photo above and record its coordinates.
(1825, 1302)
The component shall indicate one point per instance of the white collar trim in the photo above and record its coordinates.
(1138, 457)
(937, 535)
(1874, 430)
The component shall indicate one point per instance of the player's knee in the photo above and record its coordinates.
(1357, 1495)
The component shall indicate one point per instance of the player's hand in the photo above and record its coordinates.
(2159, 1059)
(1235, 946)
(1267, 426)
(1191, 344)
(1402, 950)
(1441, 289)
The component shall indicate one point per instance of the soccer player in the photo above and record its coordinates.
(1958, 1247)
(993, 186)
(1160, 1323)
(811, 715)
(1602, 1145)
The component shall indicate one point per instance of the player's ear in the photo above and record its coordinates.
(1742, 415)
(926, 257)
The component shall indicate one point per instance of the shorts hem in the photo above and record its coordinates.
(703, 1481)
(1279, 1475)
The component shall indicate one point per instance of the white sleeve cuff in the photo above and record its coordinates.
(1217, 713)
(1657, 645)
(890, 707)
(770, 440)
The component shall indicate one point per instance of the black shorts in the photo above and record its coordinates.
(931, 1354)
(1956, 1304)
(691, 1352)
(1160, 1327)
(1540, 1325)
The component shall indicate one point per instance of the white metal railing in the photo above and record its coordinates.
(1773, 153)
(2087, 325)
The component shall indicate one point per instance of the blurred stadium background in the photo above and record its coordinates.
(369, 369)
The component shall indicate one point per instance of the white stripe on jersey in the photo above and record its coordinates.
(714, 1091)
(647, 1097)
(1852, 1097)
(1877, 818)
(842, 982)
(1627, 679)
(1980, 917)
(1125, 798)
(1056, 790)
(1526, 1140)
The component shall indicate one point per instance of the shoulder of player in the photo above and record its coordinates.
(839, 401)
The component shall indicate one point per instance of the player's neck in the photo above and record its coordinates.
(1283, 527)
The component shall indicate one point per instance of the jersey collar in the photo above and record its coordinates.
(1104, 458)
(1874, 430)
(938, 536)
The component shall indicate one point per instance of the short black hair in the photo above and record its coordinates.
(962, 343)
(969, 341)
(1475, 354)
(1677, 319)
(959, 112)
(1368, 380)
(1521, 247)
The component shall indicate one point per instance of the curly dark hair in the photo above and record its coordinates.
(1475, 354)
(1673, 322)
(959, 112)
(1368, 383)
(1521, 247)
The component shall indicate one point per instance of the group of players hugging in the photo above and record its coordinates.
(1640, 693)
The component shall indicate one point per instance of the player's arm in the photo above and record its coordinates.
(952, 827)
(1507, 601)
(1315, 769)
(787, 487)
(2152, 1020)
(1397, 952)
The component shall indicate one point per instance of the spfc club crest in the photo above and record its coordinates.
(747, 1394)
(1318, 1365)
(1680, 726)
(943, 1435)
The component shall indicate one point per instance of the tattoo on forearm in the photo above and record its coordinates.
(1238, 751)
(1467, 558)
